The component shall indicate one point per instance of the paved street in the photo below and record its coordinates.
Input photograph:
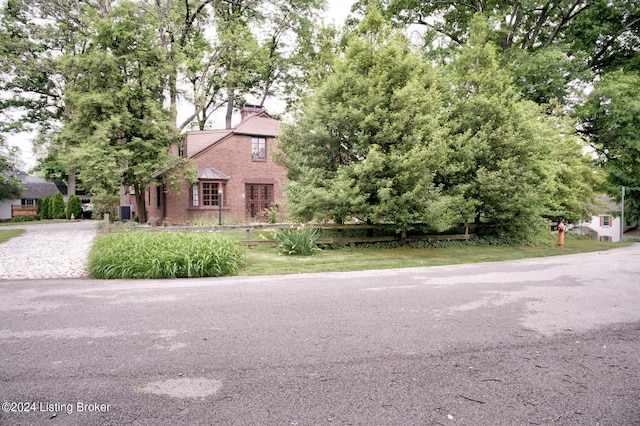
(537, 341)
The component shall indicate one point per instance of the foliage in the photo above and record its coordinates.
(10, 187)
(388, 138)
(610, 119)
(120, 130)
(367, 144)
(143, 255)
(515, 162)
(43, 208)
(25, 218)
(298, 240)
(56, 209)
(100, 80)
(74, 207)
(549, 45)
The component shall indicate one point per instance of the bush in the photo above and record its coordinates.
(23, 219)
(164, 255)
(57, 207)
(299, 241)
(74, 207)
(43, 207)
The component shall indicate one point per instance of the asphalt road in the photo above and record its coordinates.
(552, 341)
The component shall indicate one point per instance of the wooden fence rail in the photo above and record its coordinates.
(326, 239)
(328, 232)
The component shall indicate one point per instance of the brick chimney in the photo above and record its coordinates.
(250, 110)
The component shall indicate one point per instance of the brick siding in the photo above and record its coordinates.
(232, 157)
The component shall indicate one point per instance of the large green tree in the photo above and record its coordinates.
(610, 120)
(514, 163)
(35, 35)
(367, 144)
(10, 187)
(120, 131)
(388, 138)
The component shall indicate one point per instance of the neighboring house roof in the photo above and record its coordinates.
(610, 205)
(260, 124)
(37, 188)
(62, 187)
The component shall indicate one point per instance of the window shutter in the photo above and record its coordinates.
(601, 222)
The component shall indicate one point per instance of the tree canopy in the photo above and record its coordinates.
(471, 125)
(610, 120)
(10, 187)
(119, 131)
(547, 44)
(101, 80)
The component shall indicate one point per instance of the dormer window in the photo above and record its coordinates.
(259, 149)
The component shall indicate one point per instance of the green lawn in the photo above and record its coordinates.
(7, 234)
(265, 260)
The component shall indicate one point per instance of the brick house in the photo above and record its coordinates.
(237, 177)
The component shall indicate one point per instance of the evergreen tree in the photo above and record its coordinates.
(57, 207)
(515, 165)
(74, 207)
(369, 143)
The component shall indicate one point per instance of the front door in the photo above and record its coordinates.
(258, 198)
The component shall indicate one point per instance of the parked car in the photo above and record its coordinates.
(87, 210)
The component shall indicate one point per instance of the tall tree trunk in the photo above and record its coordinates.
(230, 102)
(140, 203)
(71, 182)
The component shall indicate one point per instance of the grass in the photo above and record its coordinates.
(130, 254)
(145, 255)
(7, 234)
(32, 222)
(265, 260)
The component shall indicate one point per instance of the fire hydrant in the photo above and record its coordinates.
(561, 228)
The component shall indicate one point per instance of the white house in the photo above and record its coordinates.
(604, 227)
(34, 189)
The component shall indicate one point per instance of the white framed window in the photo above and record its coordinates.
(605, 221)
(207, 194)
(195, 195)
(258, 149)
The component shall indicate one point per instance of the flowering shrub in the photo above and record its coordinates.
(270, 214)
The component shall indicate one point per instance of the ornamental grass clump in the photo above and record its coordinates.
(164, 255)
(298, 241)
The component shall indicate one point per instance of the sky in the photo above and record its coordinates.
(337, 11)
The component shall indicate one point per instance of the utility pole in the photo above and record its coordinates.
(622, 218)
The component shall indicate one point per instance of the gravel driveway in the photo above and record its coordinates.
(52, 250)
